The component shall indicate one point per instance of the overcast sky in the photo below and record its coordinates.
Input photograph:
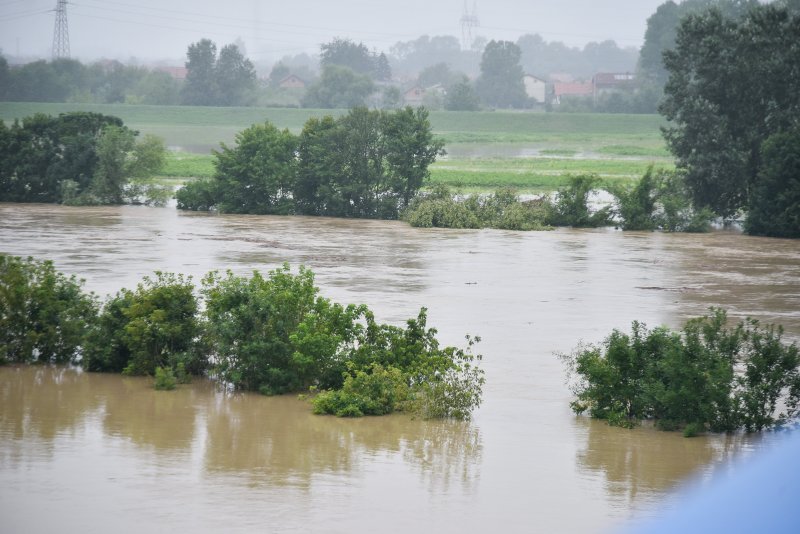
(162, 29)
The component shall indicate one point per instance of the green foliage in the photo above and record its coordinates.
(273, 335)
(658, 200)
(365, 164)
(774, 208)
(197, 195)
(356, 57)
(227, 80)
(338, 87)
(500, 84)
(153, 326)
(502, 209)
(378, 391)
(461, 97)
(165, 379)
(726, 94)
(395, 369)
(44, 315)
(636, 205)
(707, 377)
(250, 322)
(75, 158)
(571, 206)
(257, 175)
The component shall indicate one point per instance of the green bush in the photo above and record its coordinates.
(44, 315)
(198, 195)
(165, 379)
(707, 377)
(249, 322)
(378, 391)
(154, 326)
(502, 209)
(571, 207)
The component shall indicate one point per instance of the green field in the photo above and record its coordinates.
(530, 151)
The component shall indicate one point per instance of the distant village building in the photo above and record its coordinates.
(414, 96)
(612, 82)
(561, 89)
(535, 88)
(292, 82)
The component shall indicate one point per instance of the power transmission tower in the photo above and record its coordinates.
(61, 31)
(468, 22)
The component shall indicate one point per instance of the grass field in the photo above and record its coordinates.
(485, 149)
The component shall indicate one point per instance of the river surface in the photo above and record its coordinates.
(104, 453)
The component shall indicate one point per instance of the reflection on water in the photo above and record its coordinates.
(269, 440)
(243, 463)
(639, 464)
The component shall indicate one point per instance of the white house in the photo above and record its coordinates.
(535, 88)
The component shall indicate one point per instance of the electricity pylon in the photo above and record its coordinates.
(61, 31)
(468, 22)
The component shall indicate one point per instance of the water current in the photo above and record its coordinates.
(105, 453)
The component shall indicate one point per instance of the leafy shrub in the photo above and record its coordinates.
(378, 391)
(440, 382)
(706, 377)
(571, 207)
(636, 204)
(44, 315)
(678, 214)
(151, 327)
(165, 379)
(198, 195)
(502, 209)
(249, 323)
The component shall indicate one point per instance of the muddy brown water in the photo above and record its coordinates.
(100, 453)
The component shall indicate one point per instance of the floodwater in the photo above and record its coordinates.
(105, 453)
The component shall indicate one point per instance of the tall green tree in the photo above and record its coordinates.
(500, 84)
(732, 85)
(235, 77)
(199, 87)
(774, 207)
(338, 88)
(461, 97)
(257, 175)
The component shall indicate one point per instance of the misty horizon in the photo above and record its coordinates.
(150, 31)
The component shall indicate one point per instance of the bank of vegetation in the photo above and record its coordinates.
(658, 201)
(706, 377)
(365, 164)
(271, 334)
(79, 158)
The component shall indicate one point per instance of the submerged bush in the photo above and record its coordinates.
(271, 334)
(706, 377)
(571, 206)
(659, 200)
(154, 326)
(44, 315)
(503, 210)
(165, 379)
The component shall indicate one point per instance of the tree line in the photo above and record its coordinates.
(271, 334)
(365, 164)
(78, 158)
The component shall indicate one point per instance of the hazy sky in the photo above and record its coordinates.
(155, 29)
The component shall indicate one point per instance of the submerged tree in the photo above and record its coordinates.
(732, 85)
(706, 377)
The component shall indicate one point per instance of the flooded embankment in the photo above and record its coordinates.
(108, 453)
